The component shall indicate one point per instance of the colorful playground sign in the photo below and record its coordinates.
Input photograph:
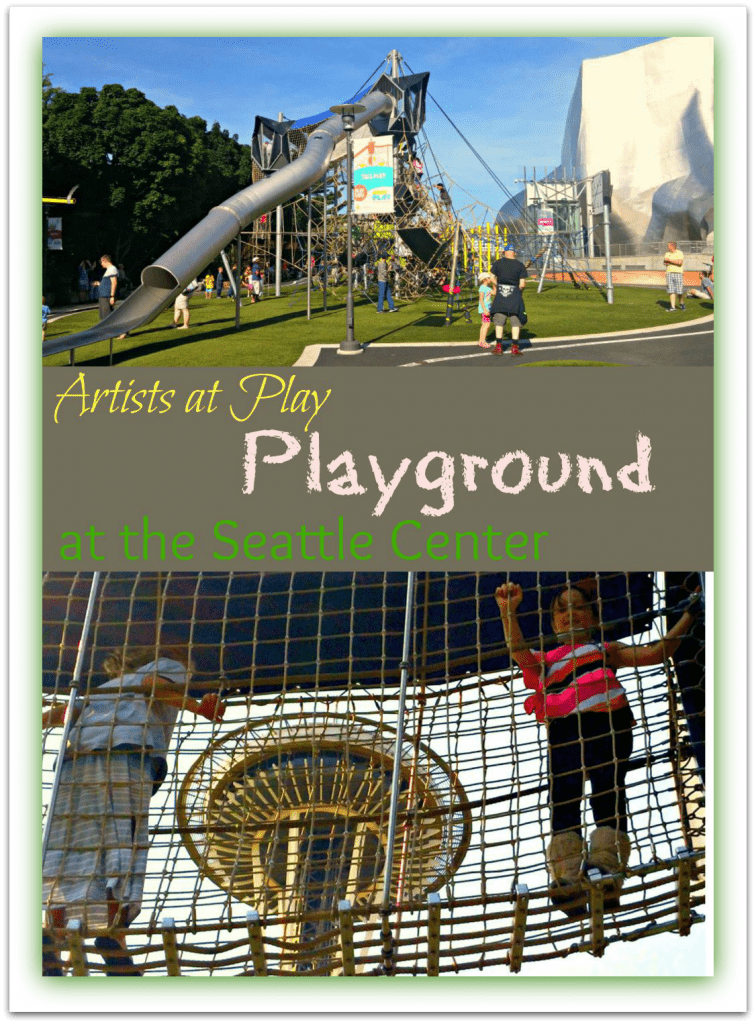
(373, 183)
(545, 222)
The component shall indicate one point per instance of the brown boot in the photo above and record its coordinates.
(564, 856)
(610, 852)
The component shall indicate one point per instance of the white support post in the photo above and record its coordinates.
(518, 928)
(434, 934)
(346, 929)
(168, 931)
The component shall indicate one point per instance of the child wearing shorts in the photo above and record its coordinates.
(486, 290)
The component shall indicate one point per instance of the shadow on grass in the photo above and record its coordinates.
(194, 335)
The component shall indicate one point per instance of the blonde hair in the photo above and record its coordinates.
(128, 659)
(487, 276)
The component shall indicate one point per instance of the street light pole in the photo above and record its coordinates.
(349, 347)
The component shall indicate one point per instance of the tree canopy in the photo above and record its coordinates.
(146, 174)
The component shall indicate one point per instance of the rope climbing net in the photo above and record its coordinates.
(376, 798)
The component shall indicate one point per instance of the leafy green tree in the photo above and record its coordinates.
(146, 174)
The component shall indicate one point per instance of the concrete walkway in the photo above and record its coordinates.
(683, 344)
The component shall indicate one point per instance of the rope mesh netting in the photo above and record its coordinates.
(266, 848)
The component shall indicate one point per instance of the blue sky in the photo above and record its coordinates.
(508, 96)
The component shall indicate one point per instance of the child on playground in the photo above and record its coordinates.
(486, 291)
(181, 306)
(45, 315)
(209, 286)
(589, 730)
(95, 862)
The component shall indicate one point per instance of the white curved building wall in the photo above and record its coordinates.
(647, 116)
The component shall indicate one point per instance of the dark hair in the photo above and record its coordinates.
(587, 588)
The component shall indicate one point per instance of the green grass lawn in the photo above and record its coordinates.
(275, 331)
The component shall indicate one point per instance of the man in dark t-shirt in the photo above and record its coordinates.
(511, 276)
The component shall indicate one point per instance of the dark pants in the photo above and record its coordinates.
(105, 307)
(600, 744)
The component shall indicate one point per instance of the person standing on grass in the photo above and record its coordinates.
(45, 315)
(219, 282)
(181, 306)
(511, 277)
(108, 286)
(382, 270)
(674, 261)
(83, 280)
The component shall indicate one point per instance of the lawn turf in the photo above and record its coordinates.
(274, 332)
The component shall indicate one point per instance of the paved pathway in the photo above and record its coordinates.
(683, 344)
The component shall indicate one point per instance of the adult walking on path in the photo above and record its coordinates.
(511, 277)
(674, 261)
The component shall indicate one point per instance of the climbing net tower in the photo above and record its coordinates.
(375, 800)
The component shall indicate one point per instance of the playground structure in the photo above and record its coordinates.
(294, 213)
(374, 801)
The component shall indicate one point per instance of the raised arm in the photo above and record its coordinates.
(173, 694)
(509, 597)
(622, 656)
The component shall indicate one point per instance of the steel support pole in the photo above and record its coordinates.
(72, 697)
(607, 250)
(453, 278)
(349, 347)
(325, 242)
(238, 279)
(279, 239)
(227, 266)
(394, 808)
(309, 253)
(545, 264)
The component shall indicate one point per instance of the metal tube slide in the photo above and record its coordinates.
(173, 271)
